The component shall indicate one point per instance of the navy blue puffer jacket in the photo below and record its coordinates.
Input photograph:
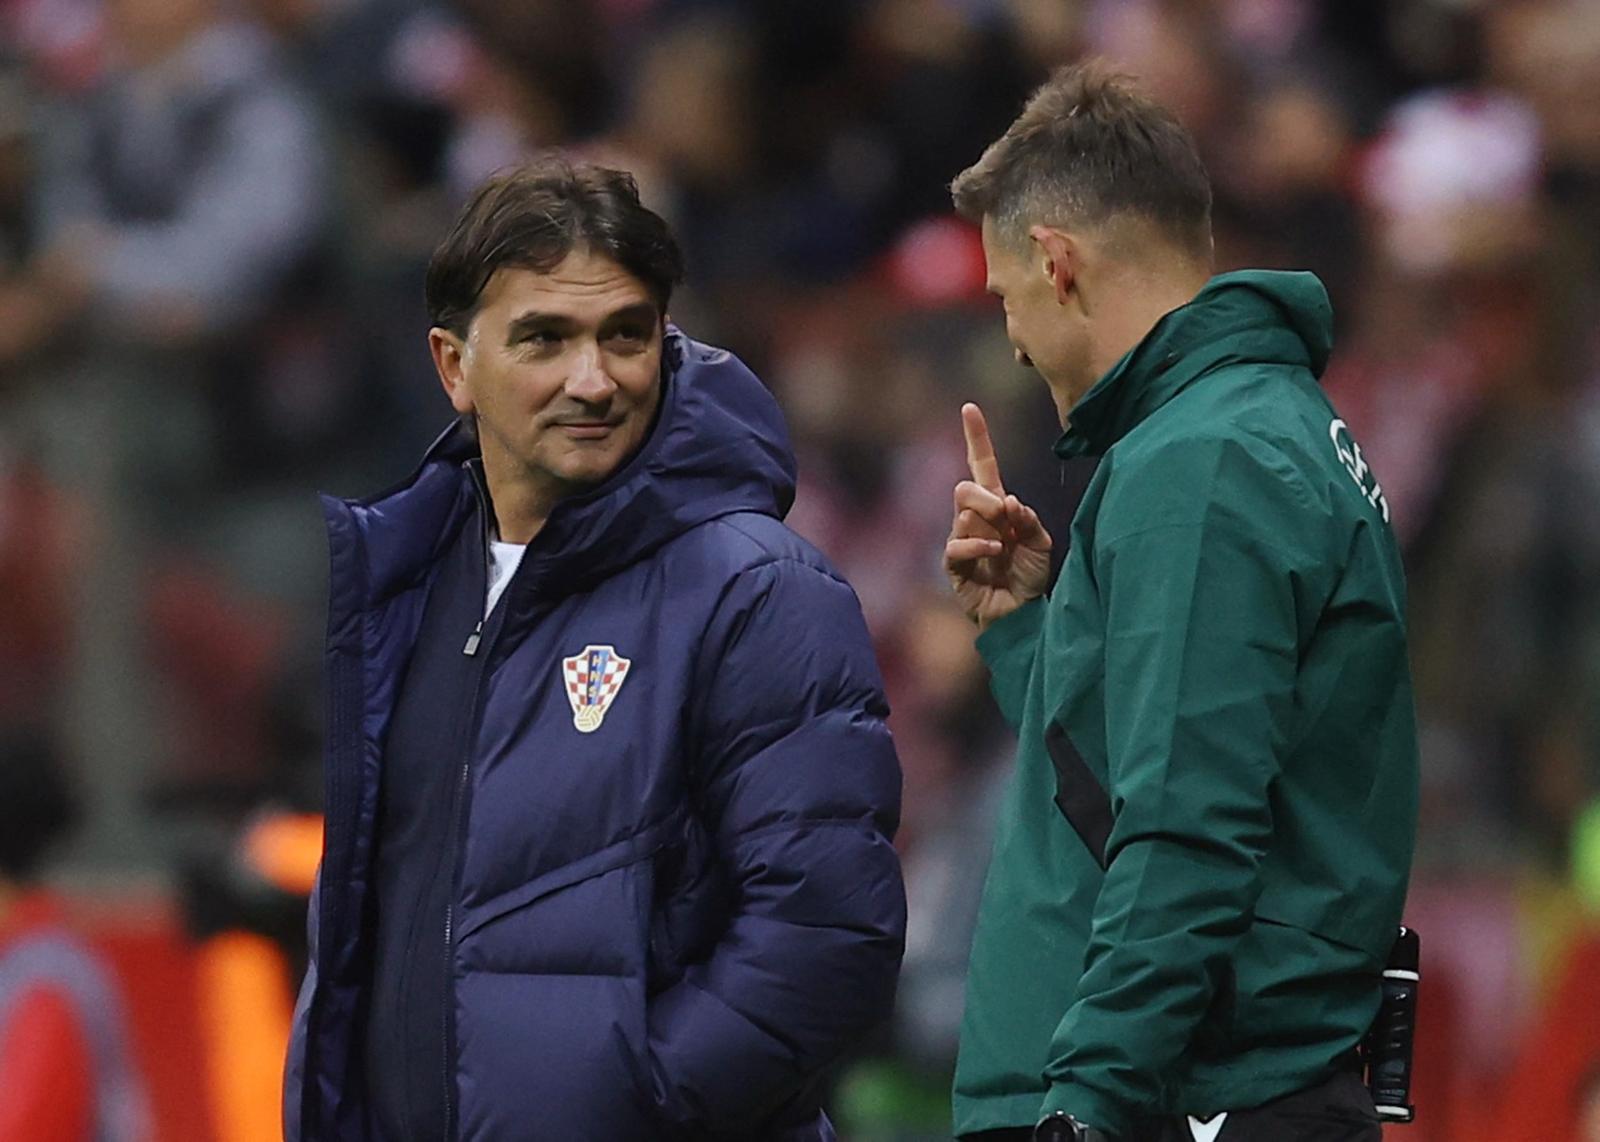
(666, 926)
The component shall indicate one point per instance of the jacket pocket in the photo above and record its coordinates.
(554, 1055)
(642, 844)
(1353, 928)
(1214, 1036)
(690, 907)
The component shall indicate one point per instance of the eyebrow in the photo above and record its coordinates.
(538, 321)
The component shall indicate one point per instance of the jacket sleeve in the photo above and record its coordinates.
(1201, 645)
(797, 778)
(1009, 648)
(294, 1075)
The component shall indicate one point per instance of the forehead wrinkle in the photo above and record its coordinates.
(587, 269)
(574, 300)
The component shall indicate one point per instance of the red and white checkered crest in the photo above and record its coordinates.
(593, 677)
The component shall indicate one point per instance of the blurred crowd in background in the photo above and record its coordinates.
(214, 218)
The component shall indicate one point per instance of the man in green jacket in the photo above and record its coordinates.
(1202, 860)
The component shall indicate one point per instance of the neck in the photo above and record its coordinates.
(1149, 298)
(521, 507)
(517, 520)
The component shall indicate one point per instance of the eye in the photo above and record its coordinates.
(630, 336)
(539, 341)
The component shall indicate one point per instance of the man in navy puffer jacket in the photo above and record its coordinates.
(610, 796)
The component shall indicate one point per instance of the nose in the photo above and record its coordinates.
(589, 382)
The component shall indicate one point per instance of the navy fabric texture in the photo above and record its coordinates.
(668, 926)
(408, 1084)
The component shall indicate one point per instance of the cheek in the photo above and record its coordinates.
(1014, 327)
(637, 376)
(526, 386)
(1022, 326)
(1048, 330)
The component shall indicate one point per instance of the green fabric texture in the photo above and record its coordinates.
(1225, 647)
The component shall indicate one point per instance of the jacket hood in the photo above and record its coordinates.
(1245, 317)
(719, 445)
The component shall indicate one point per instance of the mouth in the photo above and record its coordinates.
(588, 429)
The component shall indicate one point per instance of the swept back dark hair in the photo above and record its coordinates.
(1088, 146)
(531, 217)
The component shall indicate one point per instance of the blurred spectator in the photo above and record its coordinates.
(1452, 181)
(15, 176)
(37, 546)
(1178, 52)
(181, 204)
(1282, 193)
(943, 80)
(196, 190)
(63, 1045)
(945, 707)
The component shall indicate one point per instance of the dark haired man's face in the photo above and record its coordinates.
(563, 373)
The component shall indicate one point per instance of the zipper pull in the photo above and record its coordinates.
(473, 639)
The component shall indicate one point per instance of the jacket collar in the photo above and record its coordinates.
(718, 446)
(1249, 316)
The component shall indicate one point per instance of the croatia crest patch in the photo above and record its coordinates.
(593, 678)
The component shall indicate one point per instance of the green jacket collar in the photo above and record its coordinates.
(1248, 316)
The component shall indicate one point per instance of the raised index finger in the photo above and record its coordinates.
(980, 450)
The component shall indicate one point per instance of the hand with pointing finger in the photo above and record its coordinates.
(998, 553)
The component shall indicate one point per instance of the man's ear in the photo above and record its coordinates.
(448, 353)
(1058, 258)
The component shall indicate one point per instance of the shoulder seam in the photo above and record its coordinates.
(1246, 439)
(771, 557)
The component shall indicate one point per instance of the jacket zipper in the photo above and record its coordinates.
(449, 928)
(458, 832)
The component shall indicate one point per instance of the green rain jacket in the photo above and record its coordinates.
(1224, 658)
